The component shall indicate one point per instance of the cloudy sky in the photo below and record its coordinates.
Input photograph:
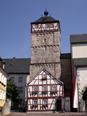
(16, 16)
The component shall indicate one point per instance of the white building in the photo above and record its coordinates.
(45, 93)
(79, 63)
(3, 84)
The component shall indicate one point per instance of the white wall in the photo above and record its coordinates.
(82, 83)
(51, 98)
(79, 51)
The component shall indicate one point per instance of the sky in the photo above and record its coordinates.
(16, 16)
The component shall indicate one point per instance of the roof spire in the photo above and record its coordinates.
(45, 13)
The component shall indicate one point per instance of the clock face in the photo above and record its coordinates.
(44, 27)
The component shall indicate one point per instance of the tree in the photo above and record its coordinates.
(12, 93)
(84, 96)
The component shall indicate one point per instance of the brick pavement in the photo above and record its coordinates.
(48, 114)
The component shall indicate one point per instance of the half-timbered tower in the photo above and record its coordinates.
(45, 34)
(45, 90)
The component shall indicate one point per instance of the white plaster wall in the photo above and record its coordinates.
(79, 51)
(39, 83)
(51, 104)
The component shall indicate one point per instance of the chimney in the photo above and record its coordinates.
(2, 63)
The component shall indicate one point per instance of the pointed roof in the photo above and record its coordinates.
(45, 19)
(17, 65)
(44, 70)
(79, 38)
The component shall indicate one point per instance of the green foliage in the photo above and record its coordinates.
(12, 93)
(84, 95)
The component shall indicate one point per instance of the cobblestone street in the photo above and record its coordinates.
(48, 114)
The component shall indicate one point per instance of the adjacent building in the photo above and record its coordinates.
(3, 84)
(18, 71)
(79, 64)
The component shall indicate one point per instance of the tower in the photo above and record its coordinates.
(45, 91)
(45, 34)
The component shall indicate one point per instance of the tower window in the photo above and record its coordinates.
(43, 40)
(44, 77)
(20, 79)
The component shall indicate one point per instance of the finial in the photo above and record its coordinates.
(45, 13)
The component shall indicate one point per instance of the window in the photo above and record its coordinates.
(44, 40)
(44, 89)
(20, 79)
(45, 102)
(35, 90)
(20, 89)
(53, 89)
(12, 79)
(35, 102)
(44, 76)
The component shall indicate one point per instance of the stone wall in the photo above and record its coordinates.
(7, 108)
(53, 68)
(45, 53)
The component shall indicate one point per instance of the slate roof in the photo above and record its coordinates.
(17, 65)
(81, 38)
(22, 65)
(45, 19)
(65, 56)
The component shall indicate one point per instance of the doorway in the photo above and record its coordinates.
(58, 105)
